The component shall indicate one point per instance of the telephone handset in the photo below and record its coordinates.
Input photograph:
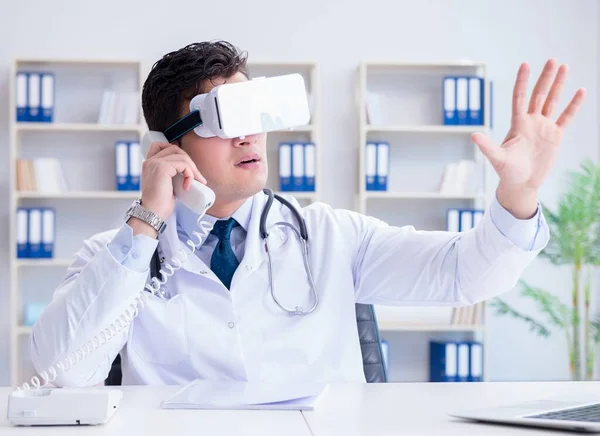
(198, 198)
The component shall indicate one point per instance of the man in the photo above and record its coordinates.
(220, 319)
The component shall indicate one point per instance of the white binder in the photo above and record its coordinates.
(298, 166)
(48, 237)
(33, 96)
(462, 102)
(35, 233)
(371, 164)
(135, 165)
(285, 167)
(452, 220)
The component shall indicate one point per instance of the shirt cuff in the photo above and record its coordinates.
(524, 233)
(133, 252)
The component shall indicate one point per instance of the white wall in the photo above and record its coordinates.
(338, 35)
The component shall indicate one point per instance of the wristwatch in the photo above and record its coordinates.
(138, 211)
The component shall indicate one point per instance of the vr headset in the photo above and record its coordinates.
(233, 110)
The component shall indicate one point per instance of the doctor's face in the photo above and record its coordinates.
(235, 168)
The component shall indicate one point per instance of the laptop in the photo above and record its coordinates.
(564, 415)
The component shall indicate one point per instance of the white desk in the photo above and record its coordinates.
(140, 414)
(422, 408)
(345, 410)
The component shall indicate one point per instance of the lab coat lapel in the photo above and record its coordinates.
(254, 252)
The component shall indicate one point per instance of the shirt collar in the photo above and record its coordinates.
(187, 219)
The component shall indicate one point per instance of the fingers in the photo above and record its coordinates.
(186, 160)
(494, 154)
(177, 158)
(565, 118)
(555, 91)
(520, 90)
(156, 147)
(540, 91)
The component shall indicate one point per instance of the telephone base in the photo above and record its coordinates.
(66, 406)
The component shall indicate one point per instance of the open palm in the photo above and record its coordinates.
(531, 146)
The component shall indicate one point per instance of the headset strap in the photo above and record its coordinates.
(183, 125)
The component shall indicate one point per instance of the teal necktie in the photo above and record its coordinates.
(223, 261)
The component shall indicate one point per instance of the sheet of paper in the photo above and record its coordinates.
(205, 394)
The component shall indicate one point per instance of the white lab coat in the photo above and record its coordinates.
(206, 331)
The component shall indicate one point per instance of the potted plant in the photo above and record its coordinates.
(574, 241)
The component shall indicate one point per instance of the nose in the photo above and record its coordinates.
(245, 141)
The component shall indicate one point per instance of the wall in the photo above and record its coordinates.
(338, 35)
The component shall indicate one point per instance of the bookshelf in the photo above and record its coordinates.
(85, 150)
(401, 104)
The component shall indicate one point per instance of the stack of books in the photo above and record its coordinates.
(468, 315)
(43, 175)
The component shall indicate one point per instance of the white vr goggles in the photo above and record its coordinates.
(233, 110)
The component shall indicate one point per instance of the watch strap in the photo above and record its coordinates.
(140, 212)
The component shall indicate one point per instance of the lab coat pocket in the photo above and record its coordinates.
(159, 334)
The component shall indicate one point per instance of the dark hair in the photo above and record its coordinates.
(182, 74)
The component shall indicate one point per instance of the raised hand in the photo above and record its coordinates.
(531, 146)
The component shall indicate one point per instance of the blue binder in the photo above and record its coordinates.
(476, 97)
(462, 99)
(34, 94)
(298, 173)
(443, 361)
(134, 160)
(21, 94)
(449, 101)
(122, 165)
(475, 362)
(464, 363)
(465, 219)
(285, 167)
(48, 232)
(371, 166)
(47, 98)
(309, 167)
(383, 166)
(35, 233)
(22, 233)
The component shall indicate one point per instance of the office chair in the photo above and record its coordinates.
(368, 334)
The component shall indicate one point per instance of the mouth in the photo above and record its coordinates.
(248, 160)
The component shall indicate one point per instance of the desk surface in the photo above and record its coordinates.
(140, 414)
(422, 408)
(345, 409)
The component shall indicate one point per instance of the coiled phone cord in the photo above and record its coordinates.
(120, 324)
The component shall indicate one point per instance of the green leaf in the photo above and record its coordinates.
(575, 226)
(558, 313)
(503, 308)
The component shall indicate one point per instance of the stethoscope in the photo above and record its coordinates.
(300, 232)
(302, 235)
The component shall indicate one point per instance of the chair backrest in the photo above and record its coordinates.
(370, 344)
(368, 334)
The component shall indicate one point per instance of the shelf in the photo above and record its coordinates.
(421, 195)
(82, 61)
(23, 330)
(397, 326)
(83, 195)
(429, 65)
(76, 127)
(425, 129)
(55, 262)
